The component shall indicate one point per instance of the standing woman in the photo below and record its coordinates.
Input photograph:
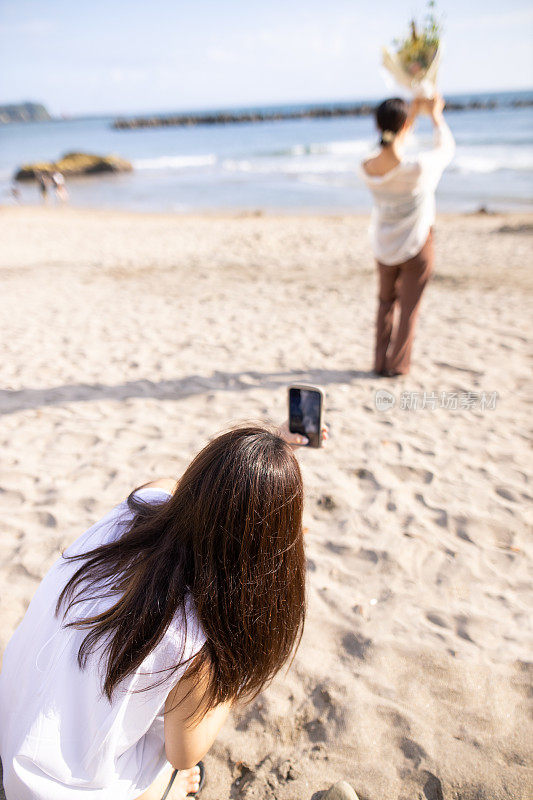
(181, 601)
(403, 190)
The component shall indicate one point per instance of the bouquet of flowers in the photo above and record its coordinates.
(416, 61)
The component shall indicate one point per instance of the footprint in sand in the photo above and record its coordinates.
(338, 549)
(288, 771)
(11, 497)
(325, 705)
(356, 645)
(432, 787)
(442, 519)
(407, 473)
(316, 731)
(243, 776)
(321, 699)
(423, 452)
(368, 555)
(367, 479)
(326, 502)
(506, 494)
(88, 504)
(481, 531)
(395, 719)
(17, 570)
(412, 750)
(435, 619)
(523, 678)
(42, 519)
(319, 752)
(461, 524)
(461, 623)
(256, 713)
(317, 714)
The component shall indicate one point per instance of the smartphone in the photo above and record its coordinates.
(306, 409)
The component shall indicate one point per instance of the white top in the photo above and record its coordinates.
(60, 737)
(404, 200)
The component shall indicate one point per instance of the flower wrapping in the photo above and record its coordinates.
(415, 64)
(422, 82)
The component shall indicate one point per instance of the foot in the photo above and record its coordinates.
(391, 373)
(186, 782)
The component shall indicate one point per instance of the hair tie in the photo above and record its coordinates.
(388, 136)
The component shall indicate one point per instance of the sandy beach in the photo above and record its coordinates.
(129, 339)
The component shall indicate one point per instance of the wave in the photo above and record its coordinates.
(175, 162)
(333, 169)
(486, 164)
(336, 157)
(351, 147)
(289, 166)
(355, 147)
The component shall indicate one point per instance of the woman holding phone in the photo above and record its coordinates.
(184, 599)
(403, 215)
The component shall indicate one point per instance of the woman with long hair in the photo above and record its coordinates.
(182, 600)
(403, 215)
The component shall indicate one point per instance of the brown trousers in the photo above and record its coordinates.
(402, 284)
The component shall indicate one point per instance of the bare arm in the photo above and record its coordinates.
(189, 736)
(412, 114)
(433, 162)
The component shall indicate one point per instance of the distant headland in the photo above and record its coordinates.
(267, 115)
(24, 112)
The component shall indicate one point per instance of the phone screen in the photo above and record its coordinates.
(305, 407)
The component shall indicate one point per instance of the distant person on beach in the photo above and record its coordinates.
(15, 193)
(403, 190)
(58, 182)
(182, 600)
(42, 182)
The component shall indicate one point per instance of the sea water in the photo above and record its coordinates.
(308, 164)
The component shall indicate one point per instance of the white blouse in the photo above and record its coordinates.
(404, 200)
(60, 737)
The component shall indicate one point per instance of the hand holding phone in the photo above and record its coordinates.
(306, 411)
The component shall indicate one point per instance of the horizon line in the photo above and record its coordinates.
(250, 106)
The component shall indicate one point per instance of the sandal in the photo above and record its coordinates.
(193, 794)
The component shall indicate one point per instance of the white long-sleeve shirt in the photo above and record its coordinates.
(404, 200)
(60, 736)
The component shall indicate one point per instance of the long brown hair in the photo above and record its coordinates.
(231, 538)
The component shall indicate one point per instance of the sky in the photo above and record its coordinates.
(127, 56)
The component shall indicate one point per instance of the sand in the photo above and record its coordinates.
(128, 340)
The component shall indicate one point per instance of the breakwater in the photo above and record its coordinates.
(318, 112)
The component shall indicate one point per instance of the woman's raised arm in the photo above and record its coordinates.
(438, 158)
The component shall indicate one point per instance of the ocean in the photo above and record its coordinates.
(289, 165)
